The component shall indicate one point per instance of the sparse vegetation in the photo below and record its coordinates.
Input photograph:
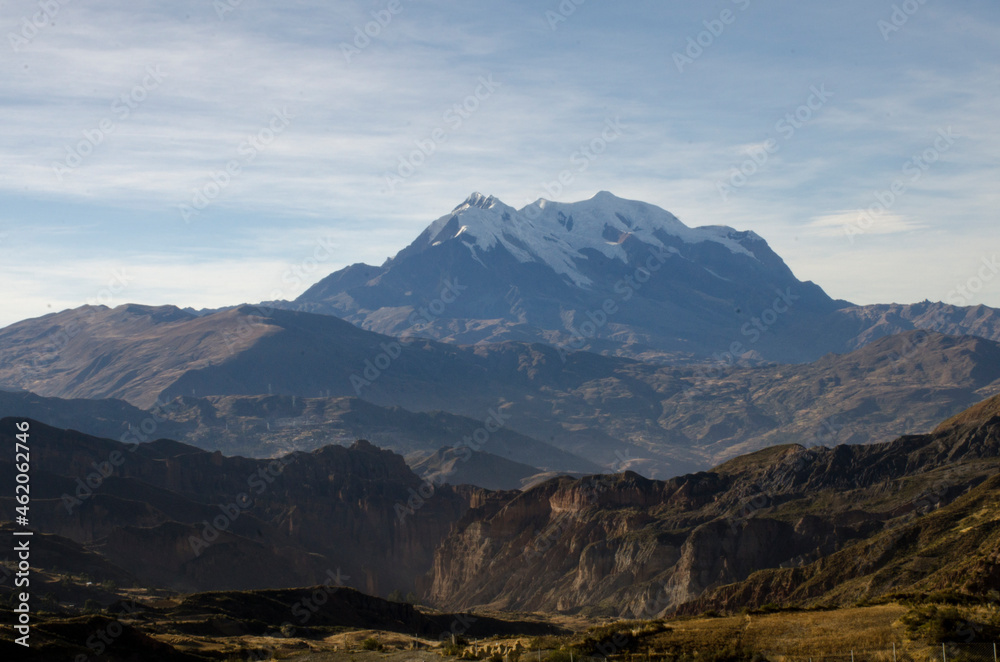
(558, 655)
(455, 645)
(371, 644)
(397, 596)
(949, 624)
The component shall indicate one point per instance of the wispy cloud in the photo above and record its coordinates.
(351, 122)
(838, 223)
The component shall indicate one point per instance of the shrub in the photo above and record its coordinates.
(944, 625)
(371, 644)
(733, 654)
(456, 647)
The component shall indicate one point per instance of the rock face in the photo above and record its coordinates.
(176, 516)
(626, 546)
(463, 466)
(787, 523)
(954, 549)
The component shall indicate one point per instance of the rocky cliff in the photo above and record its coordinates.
(177, 516)
(624, 545)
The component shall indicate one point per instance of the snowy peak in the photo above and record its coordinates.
(541, 273)
(562, 235)
(477, 199)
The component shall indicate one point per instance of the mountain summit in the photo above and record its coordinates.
(605, 274)
(564, 236)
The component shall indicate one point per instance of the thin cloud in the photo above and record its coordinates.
(354, 120)
(843, 223)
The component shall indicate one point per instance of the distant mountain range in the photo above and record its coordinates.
(289, 383)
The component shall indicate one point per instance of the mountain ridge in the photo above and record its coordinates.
(290, 380)
(617, 545)
(613, 276)
(624, 546)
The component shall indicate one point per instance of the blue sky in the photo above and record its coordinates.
(118, 117)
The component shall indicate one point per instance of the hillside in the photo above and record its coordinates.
(626, 546)
(292, 384)
(282, 522)
(788, 523)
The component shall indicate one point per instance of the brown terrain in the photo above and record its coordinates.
(588, 413)
(906, 524)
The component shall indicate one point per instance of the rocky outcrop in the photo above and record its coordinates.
(177, 516)
(789, 523)
(627, 546)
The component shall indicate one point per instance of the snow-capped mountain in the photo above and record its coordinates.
(604, 274)
(562, 235)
